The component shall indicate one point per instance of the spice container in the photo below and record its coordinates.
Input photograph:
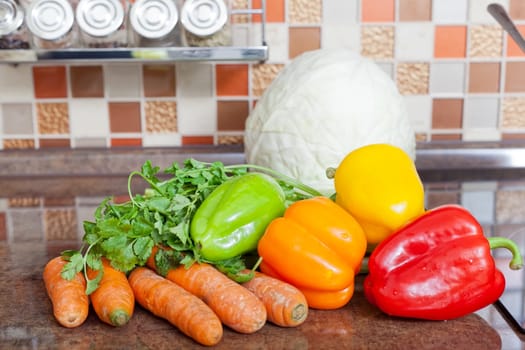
(154, 23)
(13, 32)
(51, 23)
(206, 23)
(102, 23)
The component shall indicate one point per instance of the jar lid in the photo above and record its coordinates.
(100, 18)
(50, 19)
(11, 17)
(153, 19)
(204, 17)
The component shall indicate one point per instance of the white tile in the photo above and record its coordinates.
(449, 11)
(341, 35)
(196, 116)
(88, 117)
(480, 204)
(447, 78)
(337, 12)
(277, 40)
(123, 80)
(16, 83)
(481, 134)
(419, 108)
(414, 41)
(241, 35)
(481, 112)
(194, 79)
(478, 10)
(388, 68)
(162, 140)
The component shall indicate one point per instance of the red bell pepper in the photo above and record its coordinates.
(437, 267)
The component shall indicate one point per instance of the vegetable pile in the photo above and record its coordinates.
(209, 245)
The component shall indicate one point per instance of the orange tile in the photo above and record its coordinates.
(197, 140)
(450, 41)
(232, 79)
(126, 142)
(303, 39)
(274, 10)
(377, 10)
(50, 81)
(513, 48)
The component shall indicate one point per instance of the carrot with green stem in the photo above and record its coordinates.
(113, 300)
(167, 300)
(70, 302)
(236, 306)
(286, 306)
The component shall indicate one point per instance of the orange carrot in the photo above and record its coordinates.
(70, 302)
(286, 305)
(182, 309)
(236, 306)
(113, 300)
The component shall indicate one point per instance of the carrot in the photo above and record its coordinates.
(113, 300)
(286, 305)
(182, 309)
(236, 306)
(70, 302)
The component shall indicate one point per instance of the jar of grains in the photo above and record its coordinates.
(13, 32)
(154, 23)
(102, 23)
(51, 23)
(206, 23)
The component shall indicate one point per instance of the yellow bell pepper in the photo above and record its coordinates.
(379, 185)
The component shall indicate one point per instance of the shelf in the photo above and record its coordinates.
(252, 53)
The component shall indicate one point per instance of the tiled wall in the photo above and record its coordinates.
(462, 77)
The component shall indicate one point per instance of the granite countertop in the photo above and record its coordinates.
(26, 321)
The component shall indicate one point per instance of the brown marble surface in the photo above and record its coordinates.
(26, 321)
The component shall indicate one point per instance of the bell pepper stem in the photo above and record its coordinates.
(516, 262)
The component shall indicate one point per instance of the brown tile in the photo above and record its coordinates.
(87, 81)
(60, 224)
(515, 77)
(230, 140)
(447, 113)
(55, 143)
(484, 77)
(263, 75)
(52, 118)
(446, 137)
(231, 79)
(304, 12)
(517, 9)
(377, 41)
(159, 80)
(302, 39)
(435, 199)
(19, 144)
(50, 81)
(3, 227)
(512, 136)
(124, 116)
(161, 116)
(415, 10)
(413, 78)
(231, 115)
(59, 201)
(126, 142)
(197, 140)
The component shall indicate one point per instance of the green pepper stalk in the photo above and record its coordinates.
(516, 262)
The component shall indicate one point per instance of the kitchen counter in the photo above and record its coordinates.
(41, 211)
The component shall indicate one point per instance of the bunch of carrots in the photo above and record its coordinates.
(198, 299)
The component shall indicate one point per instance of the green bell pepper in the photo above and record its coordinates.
(232, 219)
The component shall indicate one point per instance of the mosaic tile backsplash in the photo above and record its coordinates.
(462, 76)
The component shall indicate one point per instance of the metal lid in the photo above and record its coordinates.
(153, 19)
(50, 19)
(204, 17)
(11, 16)
(100, 18)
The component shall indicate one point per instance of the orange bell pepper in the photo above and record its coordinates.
(316, 246)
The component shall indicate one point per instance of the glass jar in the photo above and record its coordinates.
(206, 23)
(13, 32)
(102, 23)
(51, 23)
(154, 23)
